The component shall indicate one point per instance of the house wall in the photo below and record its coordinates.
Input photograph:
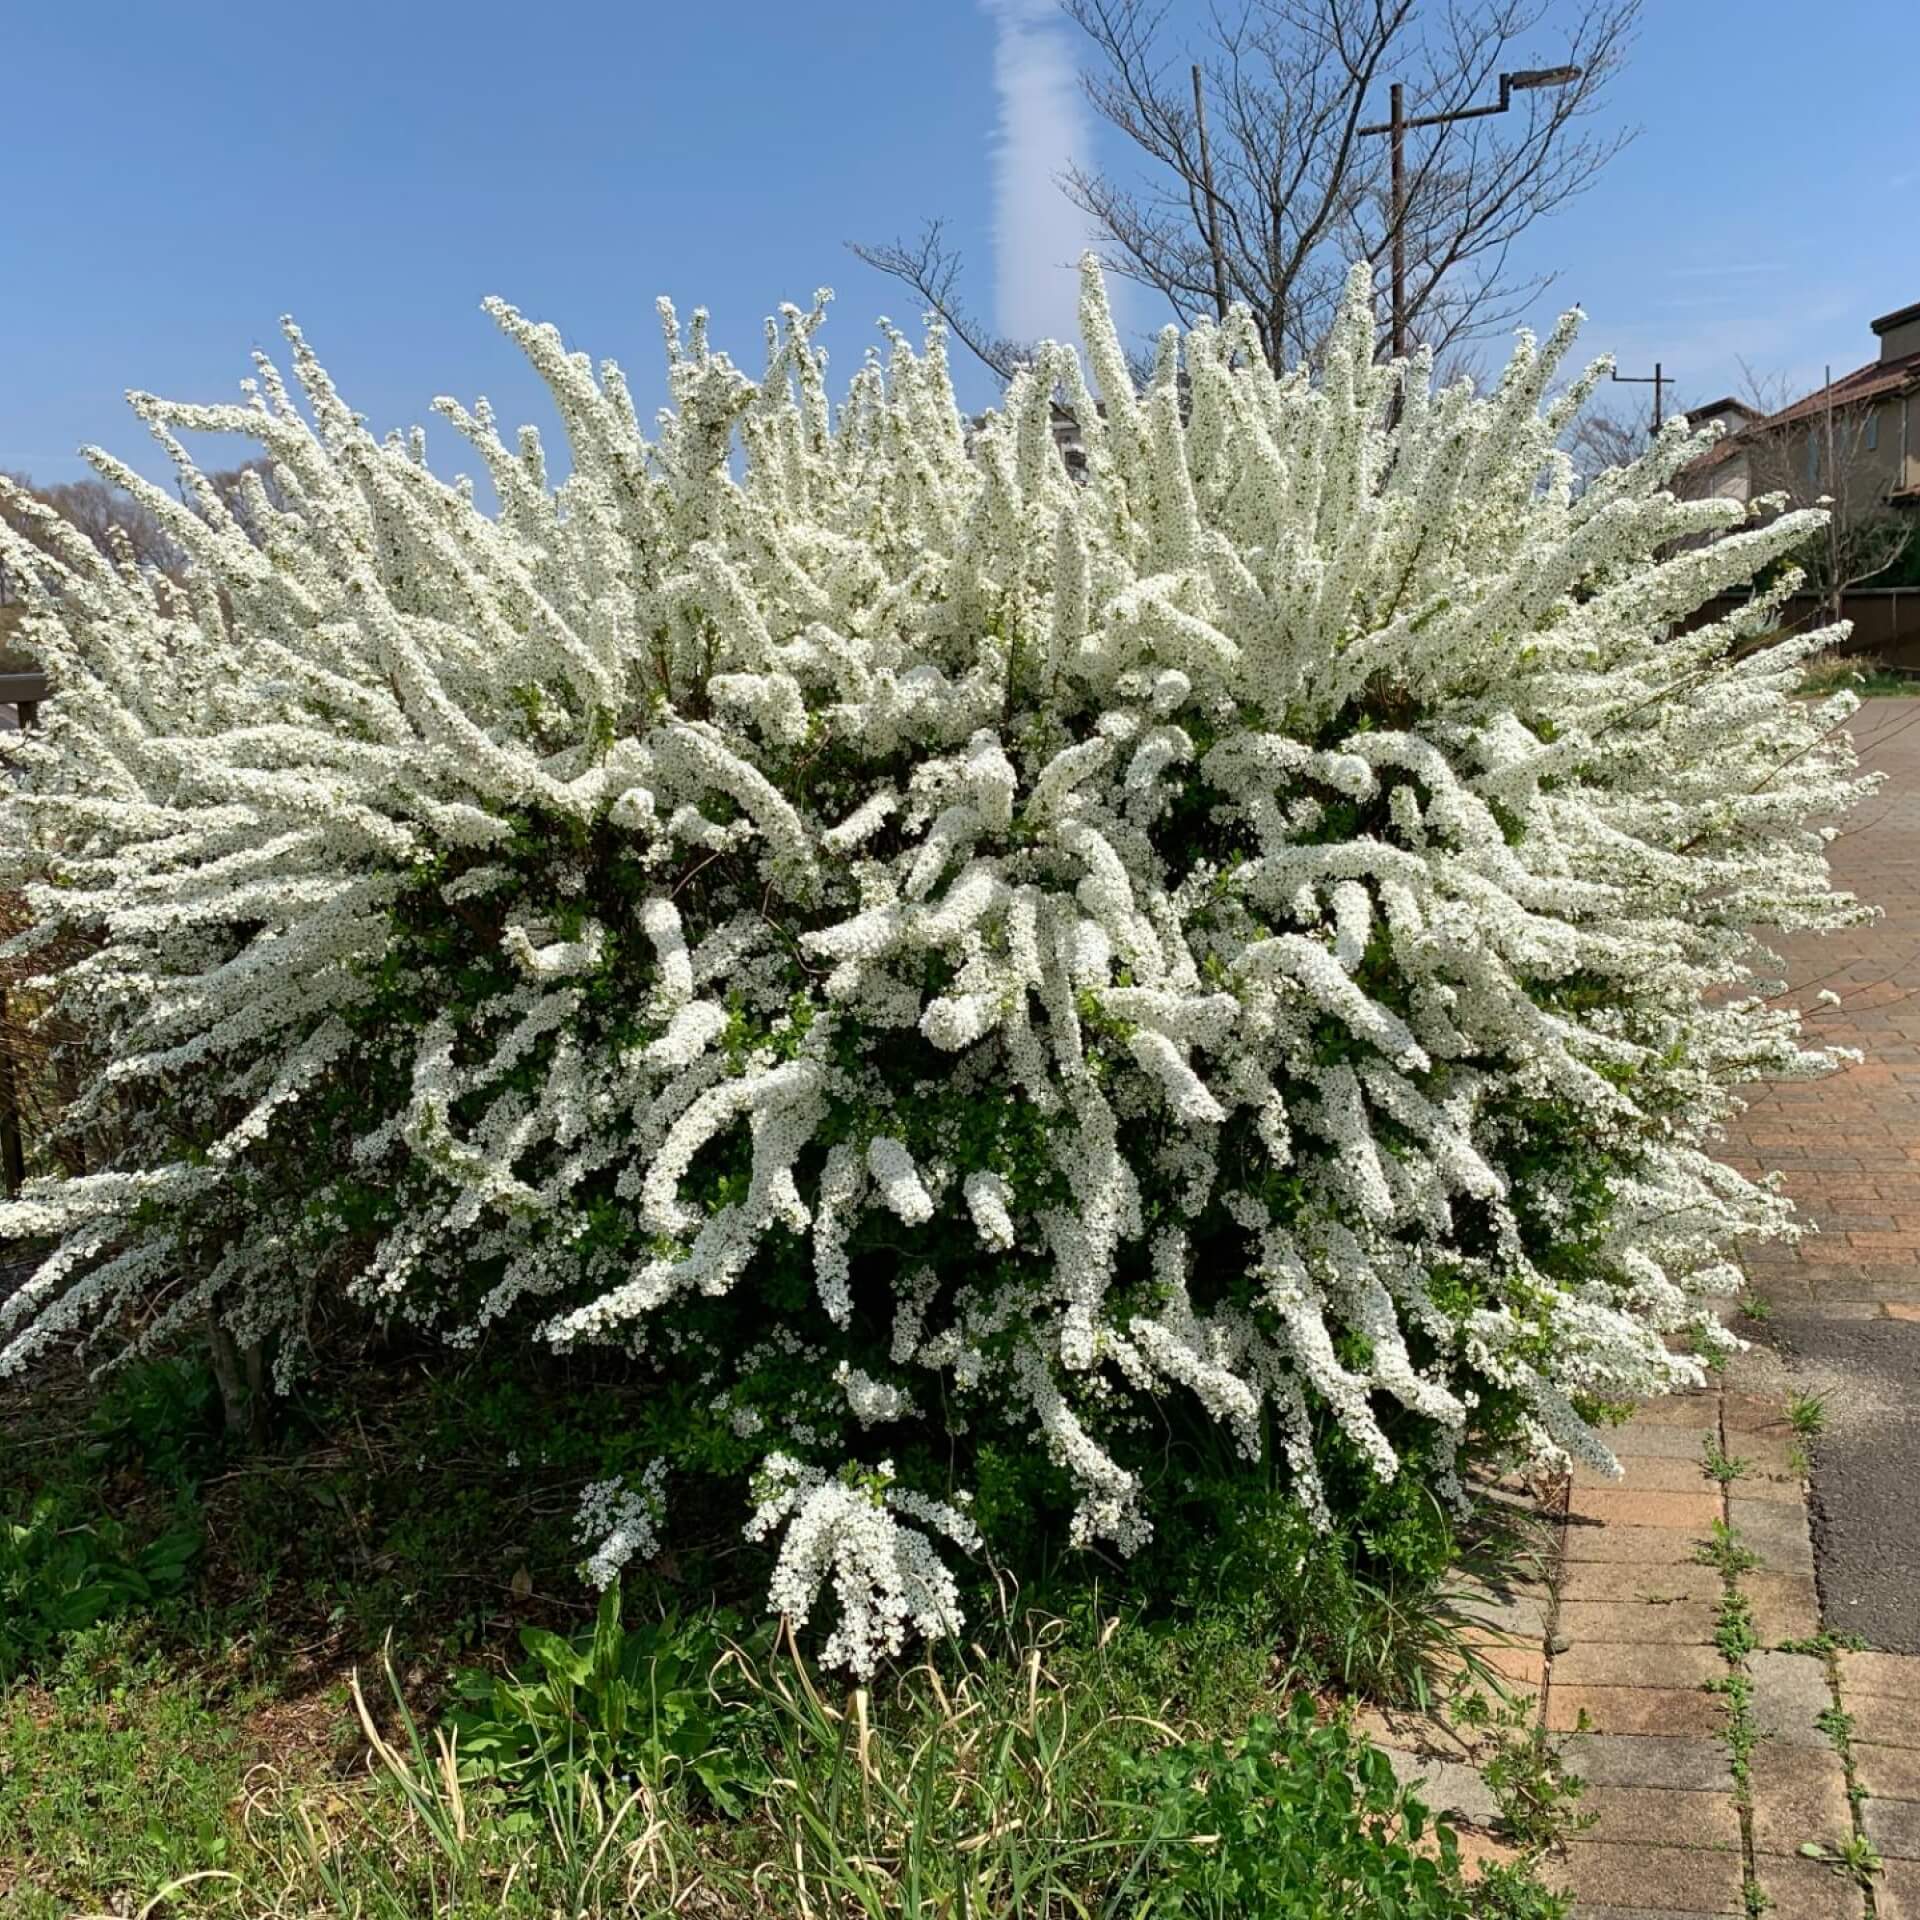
(1897, 342)
(1867, 449)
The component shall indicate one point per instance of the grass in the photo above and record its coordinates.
(274, 1722)
(1865, 673)
(1035, 1775)
(114, 1777)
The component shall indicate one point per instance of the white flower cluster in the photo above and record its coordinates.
(1260, 929)
(887, 1578)
(620, 1522)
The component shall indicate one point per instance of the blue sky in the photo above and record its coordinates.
(180, 176)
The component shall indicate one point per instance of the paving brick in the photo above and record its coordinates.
(1679, 1764)
(1753, 1413)
(1522, 1615)
(1660, 1440)
(1799, 1794)
(1700, 1410)
(1664, 1710)
(1603, 1663)
(1447, 1786)
(1659, 1817)
(1646, 1546)
(1649, 1473)
(1764, 1483)
(1768, 1453)
(1806, 1889)
(1776, 1534)
(1522, 1669)
(1429, 1735)
(1891, 1772)
(1903, 1310)
(1894, 1675)
(1627, 1507)
(1679, 1623)
(1656, 1879)
(1883, 1722)
(1785, 1605)
(1602, 1580)
(1588, 1911)
(1893, 1826)
(1790, 1691)
(1896, 1894)
(1887, 1286)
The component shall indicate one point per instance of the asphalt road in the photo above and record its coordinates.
(1866, 1472)
(1847, 1302)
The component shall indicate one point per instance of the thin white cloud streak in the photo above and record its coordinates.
(1722, 268)
(1038, 233)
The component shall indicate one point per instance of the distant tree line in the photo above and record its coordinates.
(123, 528)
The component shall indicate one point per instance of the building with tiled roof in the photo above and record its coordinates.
(1867, 420)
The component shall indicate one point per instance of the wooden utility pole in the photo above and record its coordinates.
(1836, 591)
(1213, 205)
(1397, 127)
(1658, 381)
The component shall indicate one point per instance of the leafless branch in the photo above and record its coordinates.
(931, 268)
(1298, 190)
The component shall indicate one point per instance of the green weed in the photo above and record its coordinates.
(1807, 1415)
(1725, 1550)
(660, 1703)
(61, 1573)
(1855, 1858)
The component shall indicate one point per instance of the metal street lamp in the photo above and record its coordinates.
(1397, 125)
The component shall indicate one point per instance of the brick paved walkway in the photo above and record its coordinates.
(1726, 1733)
(1732, 1648)
(1847, 1303)
(1849, 1145)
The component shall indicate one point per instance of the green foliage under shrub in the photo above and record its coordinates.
(649, 1703)
(1300, 1820)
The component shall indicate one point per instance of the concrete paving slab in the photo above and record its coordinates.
(1671, 1761)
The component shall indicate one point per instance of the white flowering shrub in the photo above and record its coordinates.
(944, 958)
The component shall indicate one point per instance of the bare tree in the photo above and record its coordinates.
(1610, 435)
(1833, 450)
(122, 527)
(1291, 186)
(1602, 438)
(114, 521)
(933, 269)
(250, 492)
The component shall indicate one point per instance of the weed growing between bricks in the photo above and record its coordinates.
(1735, 1639)
(1536, 1794)
(1857, 1857)
(1721, 1466)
